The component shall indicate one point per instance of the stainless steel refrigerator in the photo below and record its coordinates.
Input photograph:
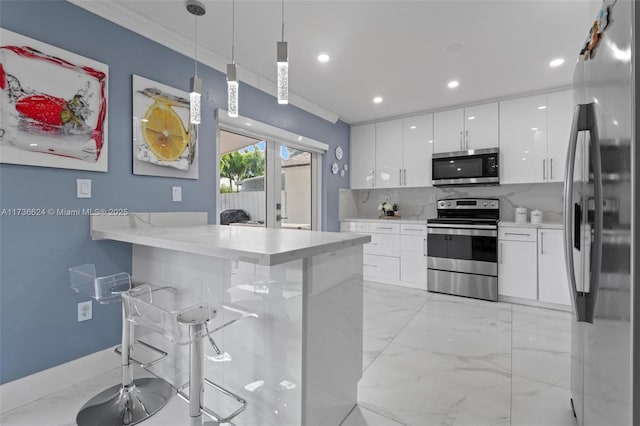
(599, 221)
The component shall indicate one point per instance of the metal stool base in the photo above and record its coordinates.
(118, 406)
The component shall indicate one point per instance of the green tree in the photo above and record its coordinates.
(255, 163)
(233, 166)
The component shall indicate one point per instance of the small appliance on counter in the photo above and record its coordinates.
(536, 217)
(521, 215)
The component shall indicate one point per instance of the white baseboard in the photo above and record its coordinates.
(36, 386)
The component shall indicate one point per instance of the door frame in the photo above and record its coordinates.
(274, 137)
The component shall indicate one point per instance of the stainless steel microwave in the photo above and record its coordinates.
(473, 167)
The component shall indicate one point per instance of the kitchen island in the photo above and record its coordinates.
(292, 300)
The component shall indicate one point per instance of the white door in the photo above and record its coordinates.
(448, 132)
(388, 154)
(552, 276)
(517, 269)
(417, 147)
(363, 156)
(559, 116)
(481, 126)
(523, 140)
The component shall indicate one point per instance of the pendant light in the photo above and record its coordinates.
(195, 8)
(282, 58)
(232, 75)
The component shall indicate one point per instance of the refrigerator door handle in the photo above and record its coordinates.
(596, 250)
(567, 215)
(584, 119)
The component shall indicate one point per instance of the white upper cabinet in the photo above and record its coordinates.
(417, 147)
(448, 130)
(473, 127)
(363, 156)
(481, 126)
(523, 140)
(559, 116)
(388, 154)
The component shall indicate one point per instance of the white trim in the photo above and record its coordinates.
(120, 14)
(261, 131)
(39, 385)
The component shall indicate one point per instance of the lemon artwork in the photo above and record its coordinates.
(166, 140)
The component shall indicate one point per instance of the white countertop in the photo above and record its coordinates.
(377, 220)
(532, 225)
(249, 244)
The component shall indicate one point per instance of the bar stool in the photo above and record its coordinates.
(131, 401)
(183, 320)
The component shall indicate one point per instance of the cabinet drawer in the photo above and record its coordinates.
(359, 227)
(383, 244)
(517, 234)
(381, 267)
(384, 228)
(407, 229)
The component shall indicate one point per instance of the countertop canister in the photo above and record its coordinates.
(521, 215)
(536, 216)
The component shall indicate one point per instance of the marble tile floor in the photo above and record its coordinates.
(429, 359)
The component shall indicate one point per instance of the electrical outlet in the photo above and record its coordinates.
(85, 311)
(386, 198)
(433, 198)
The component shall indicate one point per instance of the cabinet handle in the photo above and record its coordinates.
(544, 169)
(461, 145)
(400, 176)
(500, 254)
(371, 266)
(405, 177)
(467, 138)
(515, 233)
(383, 227)
(413, 229)
(424, 247)
(541, 242)
(551, 169)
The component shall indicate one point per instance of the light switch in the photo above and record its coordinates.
(83, 188)
(176, 193)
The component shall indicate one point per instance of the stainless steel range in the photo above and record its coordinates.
(462, 249)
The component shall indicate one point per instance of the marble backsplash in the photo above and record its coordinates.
(420, 203)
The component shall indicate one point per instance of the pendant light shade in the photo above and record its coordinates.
(195, 8)
(232, 90)
(283, 73)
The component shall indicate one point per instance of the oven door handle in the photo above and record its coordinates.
(460, 226)
(465, 231)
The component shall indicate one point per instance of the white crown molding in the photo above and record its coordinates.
(120, 14)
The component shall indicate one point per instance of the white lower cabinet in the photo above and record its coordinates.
(552, 278)
(517, 266)
(531, 265)
(396, 253)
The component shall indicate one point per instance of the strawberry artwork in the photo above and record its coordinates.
(72, 125)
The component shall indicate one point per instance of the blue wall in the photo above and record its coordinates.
(38, 313)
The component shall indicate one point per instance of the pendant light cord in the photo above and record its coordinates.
(233, 30)
(195, 49)
(282, 20)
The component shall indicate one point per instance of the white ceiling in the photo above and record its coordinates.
(400, 50)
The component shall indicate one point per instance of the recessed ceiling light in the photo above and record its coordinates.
(323, 57)
(453, 84)
(430, 141)
(471, 118)
(534, 128)
(377, 99)
(412, 127)
(542, 107)
(615, 122)
(556, 62)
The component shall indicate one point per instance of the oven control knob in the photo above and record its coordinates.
(484, 204)
(448, 203)
(494, 204)
(441, 204)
